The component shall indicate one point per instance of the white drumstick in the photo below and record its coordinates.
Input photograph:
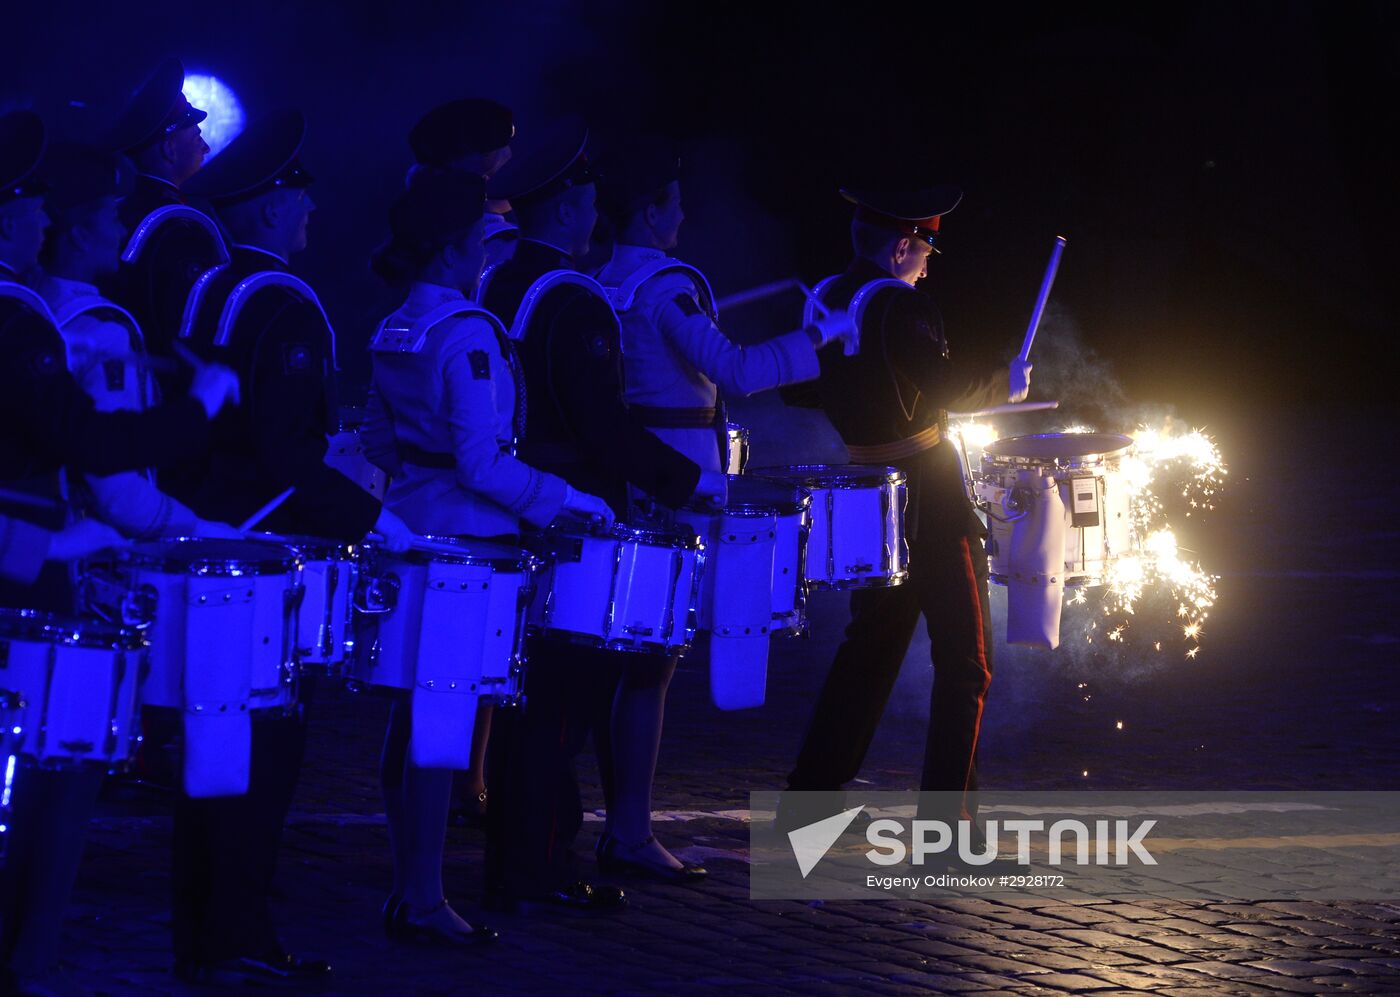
(1045, 284)
(1011, 409)
(740, 298)
(265, 511)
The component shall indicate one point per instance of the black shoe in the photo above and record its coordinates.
(414, 932)
(579, 896)
(617, 859)
(274, 969)
(469, 813)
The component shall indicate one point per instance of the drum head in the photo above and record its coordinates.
(201, 556)
(833, 475)
(32, 625)
(651, 534)
(312, 548)
(1062, 449)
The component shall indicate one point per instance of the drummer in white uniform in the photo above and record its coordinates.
(106, 349)
(444, 413)
(677, 362)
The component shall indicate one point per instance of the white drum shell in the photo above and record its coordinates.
(1098, 515)
(620, 593)
(79, 704)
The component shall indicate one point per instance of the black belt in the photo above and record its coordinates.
(409, 454)
(663, 417)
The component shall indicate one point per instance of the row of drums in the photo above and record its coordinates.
(221, 630)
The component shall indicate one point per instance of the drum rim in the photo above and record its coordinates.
(55, 628)
(798, 501)
(310, 547)
(990, 458)
(523, 561)
(271, 564)
(862, 475)
(654, 535)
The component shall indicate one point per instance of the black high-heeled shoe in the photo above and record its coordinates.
(408, 930)
(616, 858)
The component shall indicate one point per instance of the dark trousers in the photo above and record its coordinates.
(49, 819)
(536, 810)
(948, 585)
(225, 848)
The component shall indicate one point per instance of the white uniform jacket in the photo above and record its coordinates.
(676, 357)
(441, 420)
(107, 356)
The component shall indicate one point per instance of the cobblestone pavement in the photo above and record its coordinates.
(1296, 688)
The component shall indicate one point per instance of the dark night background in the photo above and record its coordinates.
(1222, 170)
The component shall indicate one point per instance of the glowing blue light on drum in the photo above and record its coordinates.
(217, 99)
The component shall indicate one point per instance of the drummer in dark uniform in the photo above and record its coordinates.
(270, 326)
(170, 242)
(578, 427)
(51, 422)
(890, 403)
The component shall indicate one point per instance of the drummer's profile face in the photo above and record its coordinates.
(910, 259)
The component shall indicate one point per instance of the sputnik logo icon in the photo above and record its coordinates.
(811, 843)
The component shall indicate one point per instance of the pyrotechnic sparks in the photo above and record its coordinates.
(1161, 459)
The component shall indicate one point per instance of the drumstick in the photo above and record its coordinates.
(265, 511)
(753, 294)
(32, 501)
(1005, 410)
(1043, 296)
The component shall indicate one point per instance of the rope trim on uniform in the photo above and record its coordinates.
(887, 453)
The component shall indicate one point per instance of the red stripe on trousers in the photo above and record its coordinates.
(974, 591)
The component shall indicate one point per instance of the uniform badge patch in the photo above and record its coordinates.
(296, 358)
(481, 365)
(115, 372)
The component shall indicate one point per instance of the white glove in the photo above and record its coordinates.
(397, 536)
(221, 531)
(837, 325)
(86, 536)
(215, 386)
(589, 507)
(1019, 380)
(712, 490)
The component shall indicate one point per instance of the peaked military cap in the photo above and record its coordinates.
(21, 149)
(265, 155)
(459, 128)
(498, 226)
(638, 170)
(156, 109)
(77, 174)
(914, 213)
(554, 159)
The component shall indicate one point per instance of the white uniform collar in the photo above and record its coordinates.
(558, 249)
(59, 291)
(424, 296)
(627, 258)
(160, 180)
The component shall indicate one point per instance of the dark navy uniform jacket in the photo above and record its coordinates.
(282, 348)
(578, 426)
(900, 384)
(154, 288)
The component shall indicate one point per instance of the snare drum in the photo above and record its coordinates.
(224, 621)
(857, 537)
(450, 614)
(1087, 467)
(327, 582)
(630, 589)
(75, 685)
(736, 448)
(447, 622)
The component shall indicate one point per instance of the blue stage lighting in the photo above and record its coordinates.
(226, 118)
